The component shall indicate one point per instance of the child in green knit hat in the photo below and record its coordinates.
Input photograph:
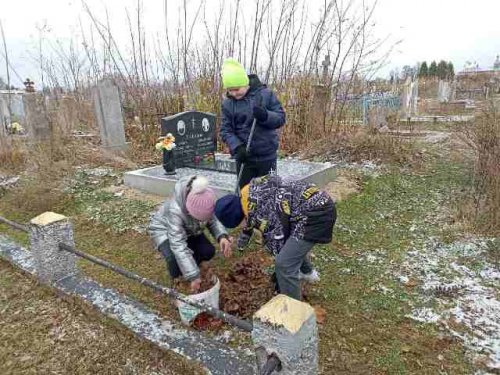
(248, 99)
(235, 78)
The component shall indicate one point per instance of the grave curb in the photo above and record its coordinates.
(148, 179)
(214, 356)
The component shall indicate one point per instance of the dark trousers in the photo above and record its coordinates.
(254, 169)
(203, 250)
(292, 258)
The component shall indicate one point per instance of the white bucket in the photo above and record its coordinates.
(209, 297)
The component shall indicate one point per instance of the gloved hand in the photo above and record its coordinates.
(260, 112)
(241, 154)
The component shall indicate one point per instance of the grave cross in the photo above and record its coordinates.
(29, 85)
(326, 63)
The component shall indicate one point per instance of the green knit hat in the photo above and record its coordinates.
(233, 74)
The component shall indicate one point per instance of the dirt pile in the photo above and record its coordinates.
(246, 286)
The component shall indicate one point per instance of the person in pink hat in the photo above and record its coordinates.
(177, 229)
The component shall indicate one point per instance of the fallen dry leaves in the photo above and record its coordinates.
(246, 287)
(320, 314)
(206, 322)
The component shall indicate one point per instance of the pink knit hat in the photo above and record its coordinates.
(200, 202)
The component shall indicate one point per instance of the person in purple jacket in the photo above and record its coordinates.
(292, 216)
(248, 99)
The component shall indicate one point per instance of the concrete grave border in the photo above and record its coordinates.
(214, 356)
(152, 180)
(284, 331)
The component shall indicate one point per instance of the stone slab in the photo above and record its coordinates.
(217, 358)
(37, 120)
(452, 118)
(109, 115)
(16, 107)
(153, 180)
(194, 134)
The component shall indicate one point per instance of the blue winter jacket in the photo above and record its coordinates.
(237, 119)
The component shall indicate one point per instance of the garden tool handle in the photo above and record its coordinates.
(242, 165)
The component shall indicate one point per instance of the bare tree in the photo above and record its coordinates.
(6, 54)
(262, 7)
(283, 40)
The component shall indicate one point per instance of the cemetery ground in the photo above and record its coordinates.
(406, 286)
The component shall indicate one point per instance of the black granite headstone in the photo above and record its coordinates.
(195, 138)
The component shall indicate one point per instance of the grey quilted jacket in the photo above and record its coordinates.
(172, 222)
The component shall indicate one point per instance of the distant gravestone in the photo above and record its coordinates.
(444, 91)
(409, 100)
(377, 117)
(195, 138)
(37, 119)
(108, 111)
(4, 116)
(453, 91)
(12, 106)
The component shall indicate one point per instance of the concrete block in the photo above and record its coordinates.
(46, 232)
(287, 328)
(153, 180)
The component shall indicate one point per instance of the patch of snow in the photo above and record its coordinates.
(490, 274)
(225, 337)
(384, 290)
(345, 271)
(474, 309)
(424, 315)
(7, 182)
(99, 172)
(373, 257)
(436, 137)
(403, 279)
(140, 321)
(367, 167)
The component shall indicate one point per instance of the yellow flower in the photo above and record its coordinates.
(16, 127)
(170, 146)
(165, 144)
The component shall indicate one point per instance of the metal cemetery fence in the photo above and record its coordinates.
(359, 106)
(242, 324)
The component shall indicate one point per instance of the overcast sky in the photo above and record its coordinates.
(453, 30)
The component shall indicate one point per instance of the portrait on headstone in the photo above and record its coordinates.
(195, 137)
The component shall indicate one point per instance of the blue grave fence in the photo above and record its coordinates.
(360, 105)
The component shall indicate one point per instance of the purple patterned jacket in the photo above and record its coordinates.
(282, 209)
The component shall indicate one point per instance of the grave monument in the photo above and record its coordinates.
(109, 116)
(195, 154)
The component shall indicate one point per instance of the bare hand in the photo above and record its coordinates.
(225, 246)
(195, 285)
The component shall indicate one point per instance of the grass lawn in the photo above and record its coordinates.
(366, 330)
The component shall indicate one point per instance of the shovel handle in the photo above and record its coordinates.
(240, 173)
